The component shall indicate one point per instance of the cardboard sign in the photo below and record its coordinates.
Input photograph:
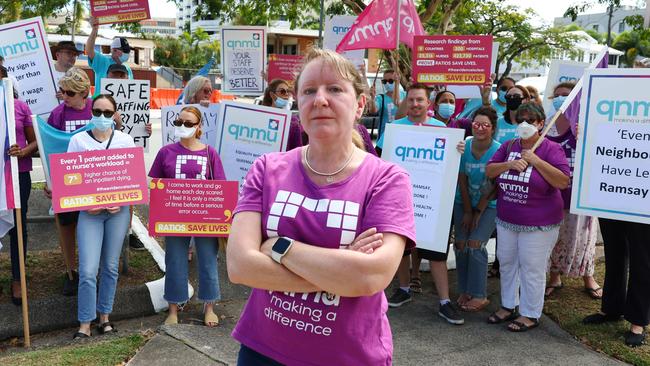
(23, 44)
(209, 123)
(191, 207)
(561, 71)
(430, 157)
(248, 131)
(132, 98)
(284, 67)
(243, 57)
(119, 11)
(460, 60)
(99, 178)
(612, 175)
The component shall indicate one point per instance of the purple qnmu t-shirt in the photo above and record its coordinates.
(322, 328)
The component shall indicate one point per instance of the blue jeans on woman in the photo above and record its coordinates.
(472, 263)
(176, 276)
(100, 238)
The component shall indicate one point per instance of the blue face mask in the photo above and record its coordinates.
(124, 58)
(502, 96)
(102, 123)
(446, 110)
(558, 101)
(280, 103)
(389, 88)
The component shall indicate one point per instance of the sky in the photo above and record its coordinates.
(547, 9)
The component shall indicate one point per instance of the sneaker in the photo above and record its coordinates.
(635, 339)
(399, 298)
(70, 286)
(135, 243)
(600, 318)
(450, 314)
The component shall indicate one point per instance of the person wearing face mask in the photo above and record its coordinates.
(206, 165)
(386, 104)
(120, 50)
(529, 213)
(506, 126)
(100, 231)
(498, 103)
(560, 93)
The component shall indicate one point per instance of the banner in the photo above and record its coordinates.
(132, 98)
(430, 157)
(191, 207)
(243, 57)
(561, 71)
(474, 91)
(246, 132)
(24, 46)
(209, 122)
(99, 178)
(119, 11)
(612, 173)
(9, 188)
(284, 67)
(336, 27)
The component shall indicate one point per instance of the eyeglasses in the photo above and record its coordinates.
(522, 120)
(282, 92)
(99, 112)
(207, 90)
(69, 93)
(479, 125)
(384, 81)
(188, 124)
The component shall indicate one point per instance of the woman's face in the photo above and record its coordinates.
(561, 92)
(205, 93)
(446, 98)
(525, 116)
(482, 128)
(281, 91)
(76, 100)
(186, 116)
(328, 104)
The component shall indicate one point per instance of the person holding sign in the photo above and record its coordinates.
(190, 159)
(385, 105)
(120, 50)
(506, 126)
(529, 213)
(306, 214)
(100, 231)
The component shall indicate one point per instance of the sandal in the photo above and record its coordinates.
(101, 328)
(552, 289)
(593, 292)
(171, 319)
(416, 285)
(495, 319)
(210, 319)
(521, 327)
(477, 308)
(80, 335)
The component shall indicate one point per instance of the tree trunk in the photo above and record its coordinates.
(446, 18)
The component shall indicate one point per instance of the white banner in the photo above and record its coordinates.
(335, 28)
(210, 126)
(243, 57)
(429, 155)
(561, 71)
(24, 46)
(612, 169)
(248, 131)
(132, 98)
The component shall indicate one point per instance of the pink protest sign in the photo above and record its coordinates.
(284, 67)
(119, 11)
(191, 207)
(96, 179)
(452, 60)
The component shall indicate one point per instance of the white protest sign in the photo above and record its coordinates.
(23, 44)
(243, 57)
(248, 131)
(430, 157)
(335, 29)
(612, 169)
(473, 91)
(561, 71)
(209, 123)
(132, 98)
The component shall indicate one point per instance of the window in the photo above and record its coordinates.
(621, 27)
(290, 49)
(595, 27)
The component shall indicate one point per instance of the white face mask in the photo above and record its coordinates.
(184, 132)
(525, 130)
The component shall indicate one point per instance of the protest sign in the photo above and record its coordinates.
(430, 157)
(209, 123)
(9, 183)
(119, 11)
(23, 44)
(248, 131)
(612, 175)
(284, 67)
(98, 178)
(191, 207)
(243, 57)
(132, 98)
(561, 71)
(335, 29)
(474, 91)
(461, 60)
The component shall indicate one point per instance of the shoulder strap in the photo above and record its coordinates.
(110, 139)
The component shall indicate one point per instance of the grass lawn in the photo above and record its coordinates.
(570, 305)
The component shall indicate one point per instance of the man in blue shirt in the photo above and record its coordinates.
(98, 62)
(385, 105)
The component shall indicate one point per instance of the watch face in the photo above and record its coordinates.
(281, 245)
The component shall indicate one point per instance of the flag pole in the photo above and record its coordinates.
(399, 72)
(550, 124)
(23, 281)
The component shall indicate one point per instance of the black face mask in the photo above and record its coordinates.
(513, 103)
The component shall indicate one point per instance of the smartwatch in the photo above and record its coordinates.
(280, 248)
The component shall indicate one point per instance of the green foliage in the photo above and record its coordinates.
(573, 11)
(189, 51)
(633, 43)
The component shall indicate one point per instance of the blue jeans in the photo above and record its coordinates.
(176, 278)
(472, 263)
(249, 357)
(100, 238)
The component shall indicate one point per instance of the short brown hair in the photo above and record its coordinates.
(420, 86)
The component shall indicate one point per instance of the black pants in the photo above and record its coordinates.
(25, 189)
(627, 246)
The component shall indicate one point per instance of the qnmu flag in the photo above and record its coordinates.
(9, 190)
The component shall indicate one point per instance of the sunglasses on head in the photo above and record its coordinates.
(282, 92)
(100, 112)
(386, 81)
(180, 122)
(69, 93)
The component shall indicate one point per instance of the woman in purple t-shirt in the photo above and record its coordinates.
(529, 212)
(318, 233)
(189, 159)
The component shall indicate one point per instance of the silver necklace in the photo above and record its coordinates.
(329, 177)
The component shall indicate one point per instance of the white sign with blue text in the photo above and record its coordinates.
(248, 131)
(209, 123)
(430, 157)
(243, 58)
(336, 28)
(612, 166)
(561, 71)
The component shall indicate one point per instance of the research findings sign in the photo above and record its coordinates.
(119, 11)
(209, 123)
(243, 58)
(132, 98)
(612, 166)
(430, 157)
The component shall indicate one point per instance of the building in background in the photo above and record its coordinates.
(185, 15)
(598, 21)
(164, 27)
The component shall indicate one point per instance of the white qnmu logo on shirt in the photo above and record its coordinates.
(340, 214)
(523, 177)
(200, 161)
